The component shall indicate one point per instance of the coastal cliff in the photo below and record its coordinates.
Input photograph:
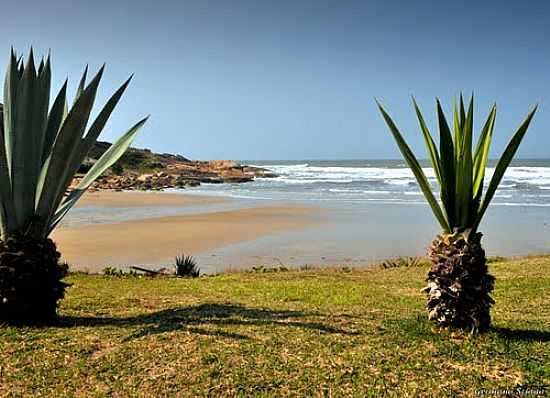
(141, 169)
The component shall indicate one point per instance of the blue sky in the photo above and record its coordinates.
(296, 79)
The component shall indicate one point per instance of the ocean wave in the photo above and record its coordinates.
(374, 182)
(536, 195)
(521, 204)
(523, 186)
(281, 166)
(360, 191)
(515, 177)
(313, 181)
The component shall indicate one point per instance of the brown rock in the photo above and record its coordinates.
(182, 174)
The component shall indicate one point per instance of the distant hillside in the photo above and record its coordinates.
(133, 159)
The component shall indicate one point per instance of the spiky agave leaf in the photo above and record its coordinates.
(110, 156)
(459, 171)
(40, 151)
(502, 165)
(186, 266)
(54, 175)
(10, 93)
(31, 105)
(464, 165)
(55, 118)
(95, 130)
(481, 155)
(6, 201)
(411, 160)
(430, 144)
(448, 168)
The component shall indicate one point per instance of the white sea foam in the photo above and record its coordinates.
(367, 191)
(305, 173)
(379, 181)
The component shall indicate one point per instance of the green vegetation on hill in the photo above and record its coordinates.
(298, 333)
(134, 159)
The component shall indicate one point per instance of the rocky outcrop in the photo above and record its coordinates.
(142, 169)
(182, 175)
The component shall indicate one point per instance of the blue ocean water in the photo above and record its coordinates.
(526, 182)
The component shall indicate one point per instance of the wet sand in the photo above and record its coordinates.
(156, 241)
(143, 199)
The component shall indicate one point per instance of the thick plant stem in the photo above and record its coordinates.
(30, 279)
(459, 285)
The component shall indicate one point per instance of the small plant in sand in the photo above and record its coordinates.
(459, 285)
(186, 266)
(41, 149)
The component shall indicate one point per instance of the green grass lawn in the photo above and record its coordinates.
(299, 333)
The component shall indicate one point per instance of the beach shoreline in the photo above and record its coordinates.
(158, 240)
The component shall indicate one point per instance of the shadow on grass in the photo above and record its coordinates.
(420, 327)
(522, 334)
(190, 319)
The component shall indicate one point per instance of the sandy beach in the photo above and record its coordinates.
(225, 233)
(143, 199)
(158, 240)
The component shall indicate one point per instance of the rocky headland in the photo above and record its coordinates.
(141, 169)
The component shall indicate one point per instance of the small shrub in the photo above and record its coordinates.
(80, 272)
(111, 271)
(151, 165)
(132, 273)
(116, 272)
(496, 259)
(263, 269)
(403, 262)
(117, 169)
(186, 266)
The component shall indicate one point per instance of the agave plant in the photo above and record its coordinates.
(459, 285)
(186, 266)
(41, 148)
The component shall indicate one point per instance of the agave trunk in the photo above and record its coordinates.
(459, 285)
(30, 278)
